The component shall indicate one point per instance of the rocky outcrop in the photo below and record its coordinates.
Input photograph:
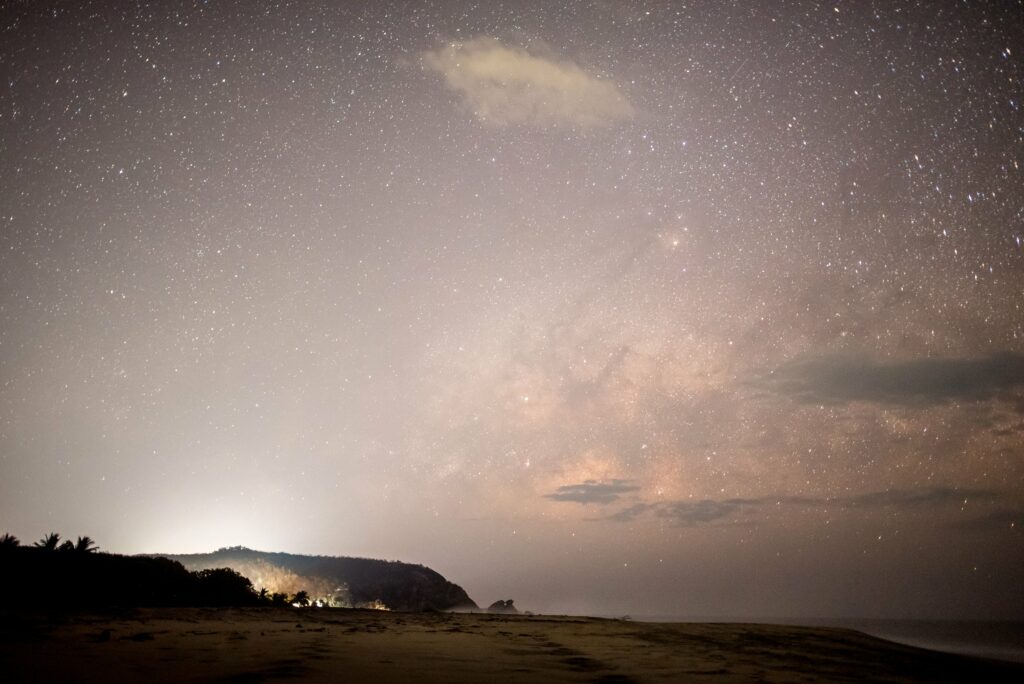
(339, 581)
(502, 607)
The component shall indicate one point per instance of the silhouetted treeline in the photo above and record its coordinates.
(77, 576)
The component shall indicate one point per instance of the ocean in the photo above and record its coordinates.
(1002, 640)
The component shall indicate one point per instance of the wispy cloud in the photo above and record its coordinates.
(592, 491)
(917, 382)
(1002, 518)
(505, 85)
(709, 511)
(908, 498)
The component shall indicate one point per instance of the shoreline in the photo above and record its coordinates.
(263, 644)
(991, 639)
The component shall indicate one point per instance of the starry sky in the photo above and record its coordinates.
(660, 308)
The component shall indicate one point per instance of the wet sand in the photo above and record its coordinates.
(325, 645)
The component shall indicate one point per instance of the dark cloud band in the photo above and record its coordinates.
(592, 491)
(917, 382)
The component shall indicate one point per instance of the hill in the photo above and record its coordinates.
(337, 581)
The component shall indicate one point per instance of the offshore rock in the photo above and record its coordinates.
(502, 607)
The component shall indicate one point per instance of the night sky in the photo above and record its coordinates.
(651, 308)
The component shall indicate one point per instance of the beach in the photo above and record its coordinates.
(273, 644)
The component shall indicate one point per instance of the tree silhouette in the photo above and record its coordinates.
(264, 595)
(86, 579)
(224, 587)
(301, 598)
(85, 545)
(49, 542)
(279, 599)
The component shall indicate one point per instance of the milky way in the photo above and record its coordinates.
(661, 308)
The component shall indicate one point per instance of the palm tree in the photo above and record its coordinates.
(301, 598)
(66, 545)
(85, 545)
(264, 595)
(9, 541)
(49, 542)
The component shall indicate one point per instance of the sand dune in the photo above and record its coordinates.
(266, 644)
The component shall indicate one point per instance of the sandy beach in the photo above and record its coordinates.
(266, 644)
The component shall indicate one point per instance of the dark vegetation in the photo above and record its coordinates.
(77, 575)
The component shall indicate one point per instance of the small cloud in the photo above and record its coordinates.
(592, 491)
(505, 86)
(693, 513)
(913, 383)
(632, 513)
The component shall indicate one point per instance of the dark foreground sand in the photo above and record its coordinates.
(268, 644)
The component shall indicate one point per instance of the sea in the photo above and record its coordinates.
(1002, 640)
